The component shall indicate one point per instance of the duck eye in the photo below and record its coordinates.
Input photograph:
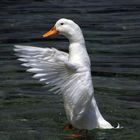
(62, 23)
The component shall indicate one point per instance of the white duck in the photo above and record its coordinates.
(68, 74)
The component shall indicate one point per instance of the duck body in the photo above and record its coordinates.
(70, 73)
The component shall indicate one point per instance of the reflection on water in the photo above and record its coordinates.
(111, 28)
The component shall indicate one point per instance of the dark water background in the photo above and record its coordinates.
(112, 32)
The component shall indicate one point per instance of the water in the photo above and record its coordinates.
(112, 32)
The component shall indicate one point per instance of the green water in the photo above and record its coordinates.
(28, 111)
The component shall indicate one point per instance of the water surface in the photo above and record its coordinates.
(112, 32)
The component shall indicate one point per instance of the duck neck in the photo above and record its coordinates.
(76, 37)
(76, 40)
(77, 50)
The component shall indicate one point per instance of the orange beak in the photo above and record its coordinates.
(52, 32)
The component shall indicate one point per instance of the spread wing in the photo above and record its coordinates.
(51, 66)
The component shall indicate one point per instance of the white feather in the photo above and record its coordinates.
(39, 75)
(68, 74)
(35, 70)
